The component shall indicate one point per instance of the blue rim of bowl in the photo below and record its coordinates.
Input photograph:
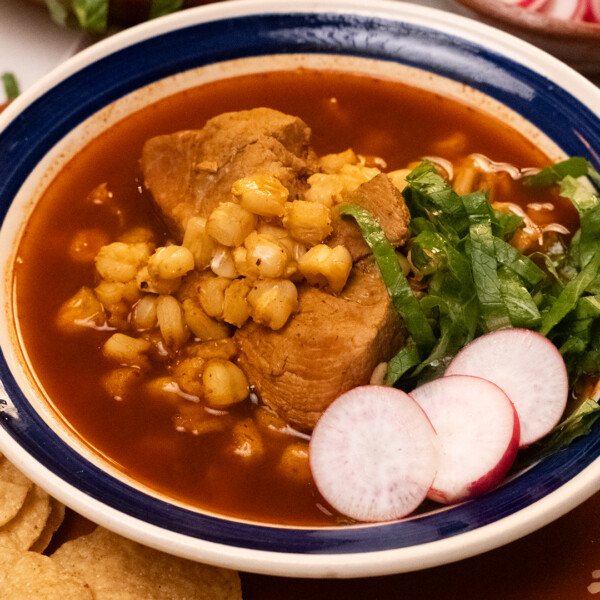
(46, 120)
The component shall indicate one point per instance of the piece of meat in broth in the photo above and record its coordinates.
(190, 172)
(385, 202)
(329, 346)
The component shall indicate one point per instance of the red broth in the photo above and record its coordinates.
(374, 117)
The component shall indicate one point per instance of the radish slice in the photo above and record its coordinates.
(528, 367)
(478, 432)
(536, 5)
(566, 9)
(374, 454)
(595, 10)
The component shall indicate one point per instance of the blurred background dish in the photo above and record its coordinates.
(561, 31)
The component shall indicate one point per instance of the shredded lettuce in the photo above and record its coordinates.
(477, 282)
(576, 425)
(403, 298)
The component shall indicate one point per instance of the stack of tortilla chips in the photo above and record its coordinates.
(97, 566)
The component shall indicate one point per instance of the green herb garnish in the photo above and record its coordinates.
(159, 8)
(402, 297)
(58, 12)
(477, 282)
(10, 85)
(92, 15)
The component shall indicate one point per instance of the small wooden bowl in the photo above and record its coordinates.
(576, 43)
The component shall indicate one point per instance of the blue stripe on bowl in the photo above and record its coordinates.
(26, 140)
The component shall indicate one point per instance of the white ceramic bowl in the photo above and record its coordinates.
(557, 108)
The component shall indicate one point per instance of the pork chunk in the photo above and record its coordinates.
(190, 172)
(332, 344)
(384, 201)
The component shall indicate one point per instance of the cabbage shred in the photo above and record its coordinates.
(477, 282)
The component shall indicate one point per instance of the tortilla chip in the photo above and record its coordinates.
(118, 569)
(57, 515)
(12, 498)
(10, 473)
(32, 576)
(26, 527)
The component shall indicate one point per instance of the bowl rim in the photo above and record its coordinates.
(322, 563)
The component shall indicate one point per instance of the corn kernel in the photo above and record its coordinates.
(198, 242)
(167, 389)
(323, 265)
(398, 178)
(118, 315)
(239, 255)
(188, 373)
(223, 348)
(211, 295)
(266, 418)
(272, 301)
(126, 349)
(170, 262)
(204, 327)
(121, 262)
(194, 419)
(83, 309)
(144, 313)
(307, 222)
(294, 463)
(222, 263)
(235, 303)
(119, 381)
(261, 194)
(154, 285)
(264, 257)
(230, 223)
(109, 292)
(248, 443)
(273, 231)
(333, 163)
(224, 383)
(330, 188)
(171, 322)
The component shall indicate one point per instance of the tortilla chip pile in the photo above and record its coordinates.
(97, 566)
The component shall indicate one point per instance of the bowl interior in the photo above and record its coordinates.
(96, 89)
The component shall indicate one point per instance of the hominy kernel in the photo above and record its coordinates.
(230, 223)
(224, 383)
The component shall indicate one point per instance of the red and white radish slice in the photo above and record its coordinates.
(373, 454)
(528, 367)
(570, 10)
(595, 10)
(478, 433)
(536, 5)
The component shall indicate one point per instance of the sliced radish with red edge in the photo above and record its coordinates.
(529, 369)
(570, 10)
(373, 454)
(478, 433)
(536, 5)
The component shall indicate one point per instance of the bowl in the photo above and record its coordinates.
(575, 42)
(556, 108)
